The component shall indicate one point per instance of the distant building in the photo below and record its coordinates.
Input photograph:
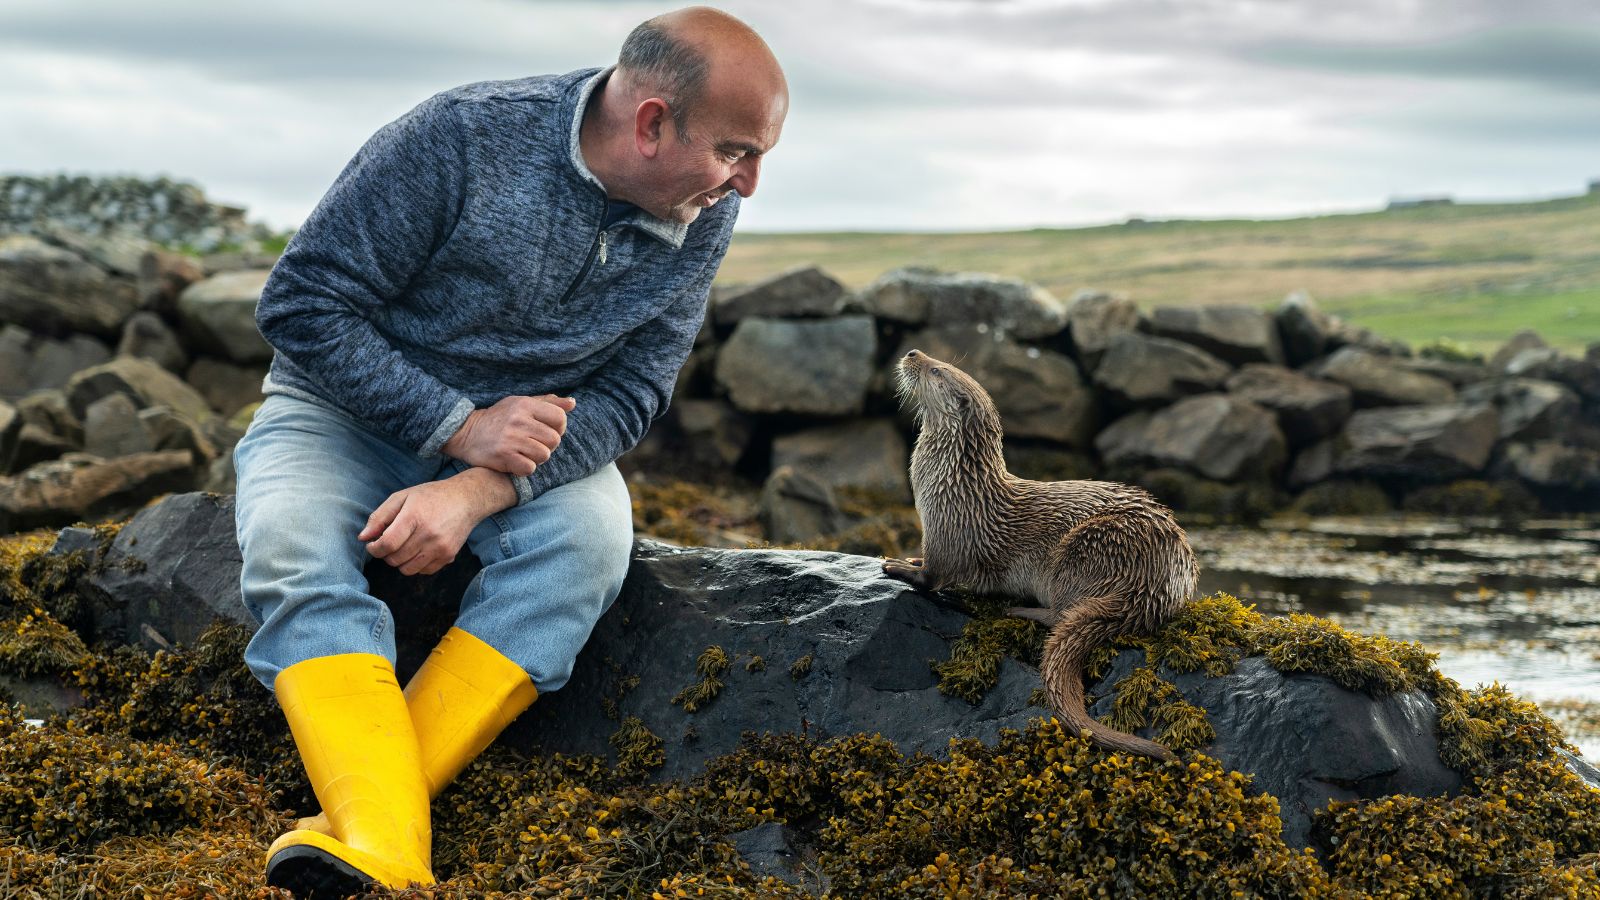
(1417, 202)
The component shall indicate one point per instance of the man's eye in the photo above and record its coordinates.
(733, 155)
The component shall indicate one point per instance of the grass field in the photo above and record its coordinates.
(1473, 273)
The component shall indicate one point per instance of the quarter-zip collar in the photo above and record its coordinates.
(670, 233)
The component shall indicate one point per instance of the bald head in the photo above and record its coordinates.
(698, 55)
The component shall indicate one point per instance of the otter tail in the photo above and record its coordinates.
(1087, 625)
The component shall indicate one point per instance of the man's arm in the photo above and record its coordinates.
(390, 209)
(617, 404)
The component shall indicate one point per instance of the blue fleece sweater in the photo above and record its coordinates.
(462, 257)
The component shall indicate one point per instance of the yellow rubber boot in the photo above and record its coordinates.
(463, 696)
(354, 734)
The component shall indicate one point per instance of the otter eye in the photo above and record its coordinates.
(938, 371)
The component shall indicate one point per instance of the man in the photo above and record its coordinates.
(487, 308)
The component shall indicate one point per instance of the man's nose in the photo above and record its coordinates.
(746, 172)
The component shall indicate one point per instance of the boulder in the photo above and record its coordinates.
(111, 428)
(1553, 466)
(1306, 740)
(1375, 380)
(1302, 328)
(1526, 339)
(116, 251)
(1424, 443)
(227, 387)
(709, 434)
(1530, 409)
(1139, 370)
(1313, 464)
(50, 411)
(56, 291)
(32, 362)
(926, 297)
(1458, 372)
(1548, 364)
(11, 425)
(819, 367)
(163, 275)
(1233, 334)
(1094, 318)
(1220, 436)
(80, 487)
(1038, 392)
(797, 507)
(36, 445)
(218, 315)
(1308, 409)
(147, 383)
(869, 454)
(798, 293)
(145, 335)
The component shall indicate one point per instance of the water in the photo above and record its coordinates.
(1515, 604)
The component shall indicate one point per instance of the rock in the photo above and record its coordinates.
(1233, 334)
(80, 487)
(219, 315)
(925, 297)
(162, 278)
(1313, 464)
(868, 454)
(1220, 436)
(1549, 364)
(772, 849)
(11, 424)
(1526, 339)
(1038, 392)
(226, 261)
(1425, 443)
(1094, 318)
(1037, 462)
(710, 434)
(144, 381)
(1530, 409)
(798, 293)
(50, 411)
(55, 291)
(1554, 466)
(31, 362)
(1138, 370)
(1308, 409)
(221, 477)
(817, 367)
(144, 335)
(226, 387)
(1306, 740)
(797, 507)
(869, 639)
(117, 252)
(111, 428)
(169, 431)
(1458, 373)
(1302, 328)
(1376, 381)
(36, 445)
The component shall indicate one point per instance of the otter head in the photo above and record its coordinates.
(944, 397)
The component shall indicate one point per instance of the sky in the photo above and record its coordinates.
(904, 114)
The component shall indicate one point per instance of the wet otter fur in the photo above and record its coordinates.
(1101, 559)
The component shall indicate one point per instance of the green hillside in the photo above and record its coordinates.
(1473, 273)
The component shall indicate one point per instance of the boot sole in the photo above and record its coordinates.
(308, 871)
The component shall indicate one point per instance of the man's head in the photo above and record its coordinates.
(696, 99)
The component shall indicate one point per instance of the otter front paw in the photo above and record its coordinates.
(908, 570)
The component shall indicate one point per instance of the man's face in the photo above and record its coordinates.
(720, 152)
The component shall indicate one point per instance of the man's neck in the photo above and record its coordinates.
(593, 136)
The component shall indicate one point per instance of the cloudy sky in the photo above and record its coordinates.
(906, 114)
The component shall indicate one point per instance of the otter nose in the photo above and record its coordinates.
(914, 354)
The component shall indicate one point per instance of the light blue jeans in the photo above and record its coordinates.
(308, 478)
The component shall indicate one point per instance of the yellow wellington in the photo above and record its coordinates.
(354, 734)
(464, 695)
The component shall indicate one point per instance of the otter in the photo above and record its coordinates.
(1101, 559)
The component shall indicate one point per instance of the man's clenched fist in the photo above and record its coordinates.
(514, 436)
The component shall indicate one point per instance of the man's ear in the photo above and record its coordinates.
(650, 124)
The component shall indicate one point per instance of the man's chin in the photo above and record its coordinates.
(683, 214)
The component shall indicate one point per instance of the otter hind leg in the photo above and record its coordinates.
(912, 571)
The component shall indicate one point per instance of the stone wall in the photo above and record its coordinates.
(161, 210)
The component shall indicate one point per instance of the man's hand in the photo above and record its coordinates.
(514, 436)
(421, 529)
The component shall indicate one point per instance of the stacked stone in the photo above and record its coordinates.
(160, 210)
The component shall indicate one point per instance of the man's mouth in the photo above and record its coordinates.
(709, 200)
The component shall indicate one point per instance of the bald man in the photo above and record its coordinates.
(488, 307)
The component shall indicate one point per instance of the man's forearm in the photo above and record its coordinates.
(487, 491)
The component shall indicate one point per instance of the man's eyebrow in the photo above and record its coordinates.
(751, 149)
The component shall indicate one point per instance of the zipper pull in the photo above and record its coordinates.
(602, 248)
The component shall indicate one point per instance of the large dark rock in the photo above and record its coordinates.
(145, 382)
(1233, 334)
(864, 453)
(32, 362)
(1038, 392)
(1306, 740)
(162, 277)
(1375, 380)
(1424, 443)
(797, 507)
(1308, 409)
(803, 292)
(1138, 370)
(1302, 327)
(819, 367)
(55, 291)
(1530, 409)
(81, 487)
(1094, 318)
(1221, 436)
(146, 335)
(219, 316)
(926, 297)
